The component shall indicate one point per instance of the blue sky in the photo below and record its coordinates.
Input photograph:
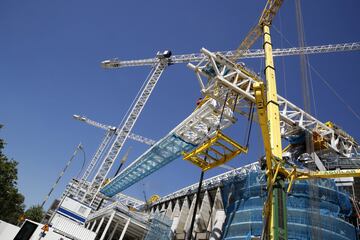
(50, 69)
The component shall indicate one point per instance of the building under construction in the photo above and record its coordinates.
(230, 207)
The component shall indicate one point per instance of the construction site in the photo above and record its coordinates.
(303, 184)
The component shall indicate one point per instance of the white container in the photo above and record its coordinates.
(8, 231)
(74, 210)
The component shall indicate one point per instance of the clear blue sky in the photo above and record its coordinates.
(49, 68)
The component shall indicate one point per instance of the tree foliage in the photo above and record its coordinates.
(11, 201)
(35, 213)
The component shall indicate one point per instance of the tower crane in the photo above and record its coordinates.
(250, 53)
(125, 128)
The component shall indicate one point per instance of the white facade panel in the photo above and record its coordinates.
(7, 230)
(69, 227)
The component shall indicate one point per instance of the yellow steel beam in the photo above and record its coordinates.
(273, 114)
(223, 146)
(260, 101)
(328, 174)
(211, 157)
(269, 118)
(232, 142)
(216, 151)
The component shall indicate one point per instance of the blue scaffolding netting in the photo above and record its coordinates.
(316, 209)
(159, 228)
(163, 152)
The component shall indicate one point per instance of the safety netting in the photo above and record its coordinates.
(159, 228)
(316, 209)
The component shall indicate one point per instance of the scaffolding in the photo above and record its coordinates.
(244, 196)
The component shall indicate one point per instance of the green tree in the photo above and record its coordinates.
(11, 201)
(35, 213)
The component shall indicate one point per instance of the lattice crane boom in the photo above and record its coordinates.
(99, 152)
(269, 12)
(124, 129)
(255, 53)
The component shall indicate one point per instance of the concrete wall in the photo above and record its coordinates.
(210, 215)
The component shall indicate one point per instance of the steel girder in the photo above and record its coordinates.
(222, 74)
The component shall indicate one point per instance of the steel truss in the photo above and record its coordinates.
(256, 53)
(199, 126)
(128, 201)
(110, 132)
(211, 183)
(222, 74)
(99, 152)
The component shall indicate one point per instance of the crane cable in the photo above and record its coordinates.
(249, 125)
(314, 219)
(79, 147)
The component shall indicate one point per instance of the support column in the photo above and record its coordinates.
(184, 213)
(125, 229)
(107, 225)
(93, 226)
(100, 224)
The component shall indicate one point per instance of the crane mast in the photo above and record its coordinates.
(99, 152)
(126, 127)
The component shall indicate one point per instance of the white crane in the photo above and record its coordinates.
(257, 53)
(125, 127)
